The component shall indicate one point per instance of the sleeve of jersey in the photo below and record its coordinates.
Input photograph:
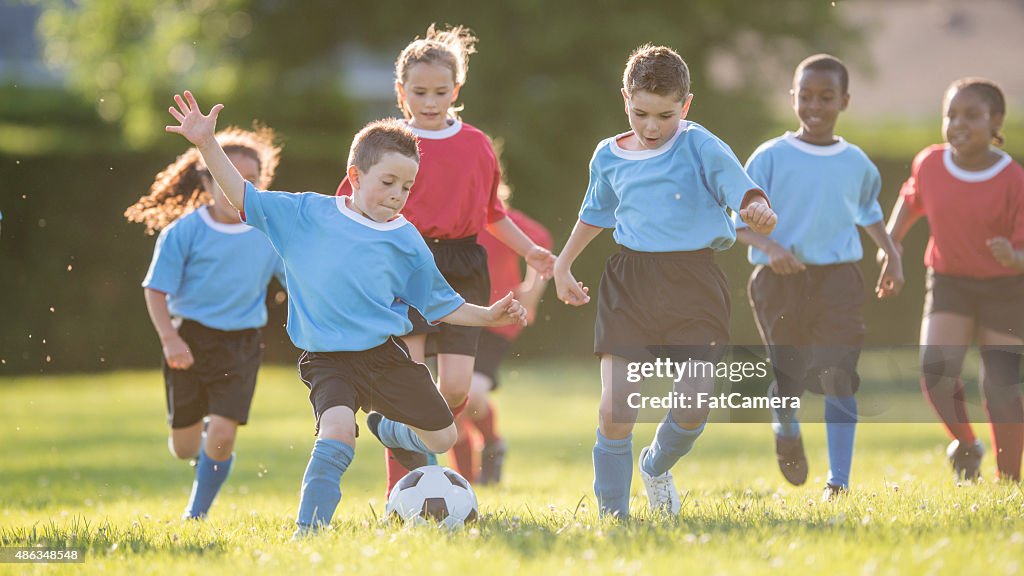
(279, 270)
(495, 210)
(870, 211)
(725, 176)
(168, 265)
(909, 192)
(600, 201)
(758, 168)
(1017, 237)
(273, 213)
(428, 292)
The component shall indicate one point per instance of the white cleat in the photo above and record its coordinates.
(661, 489)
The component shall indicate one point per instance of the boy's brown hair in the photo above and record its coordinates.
(656, 69)
(380, 137)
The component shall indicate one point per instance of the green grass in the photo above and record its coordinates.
(83, 463)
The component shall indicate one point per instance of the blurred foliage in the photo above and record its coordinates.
(546, 80)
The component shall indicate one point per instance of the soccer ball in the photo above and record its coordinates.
(433, 495)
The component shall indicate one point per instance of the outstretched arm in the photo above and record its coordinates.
(569, 290)
(504, 312)
(199, 129)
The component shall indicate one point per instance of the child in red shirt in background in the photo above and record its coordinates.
(455, 197)
(973, 196)
(467, 457)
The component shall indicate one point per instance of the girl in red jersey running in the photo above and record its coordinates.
(455, 197)
(972, 194)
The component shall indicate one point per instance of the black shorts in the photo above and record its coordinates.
(811, 321)
(384, 379)
(995, 303)
(662, 305)
(489, 354)
(463, 263)
(222, 379)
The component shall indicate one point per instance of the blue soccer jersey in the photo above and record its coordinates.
(673, 198)
(214, 273)
(820, 193)
(351, 279)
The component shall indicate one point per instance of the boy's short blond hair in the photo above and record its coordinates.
(656, 69)
(380, 137)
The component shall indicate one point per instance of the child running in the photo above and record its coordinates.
(206, 292)
(455, 198)
(807, 291)
(355, 266)
(972, 194)
(481, 415)
(665, 187)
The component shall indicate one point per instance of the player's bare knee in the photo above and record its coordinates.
(441, 440)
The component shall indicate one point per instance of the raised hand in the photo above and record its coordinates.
(196, 127)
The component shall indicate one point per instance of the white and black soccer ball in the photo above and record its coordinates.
(433, 495)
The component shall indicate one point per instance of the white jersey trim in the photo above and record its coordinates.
(645, 154)
(342, 203)
(239, 228)
(836, 147)
(972, 175)
(441, 134)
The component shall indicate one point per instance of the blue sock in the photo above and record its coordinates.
(397, 435)
(671, 442)
(613, 474)
(784, 422)
(210, 476)
(840, 425)
(321, 485)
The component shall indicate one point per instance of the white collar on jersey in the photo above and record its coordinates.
(971, 175)
(441, 134)
(207, 218)
(342, 203)
(831, 150)
(645, 154)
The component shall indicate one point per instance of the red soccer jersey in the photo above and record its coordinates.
(503, 263)
(456, 190)
(965, 209)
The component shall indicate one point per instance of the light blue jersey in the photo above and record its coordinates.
(673, 198)
(214, 273)
(820, 193)
(351, 279)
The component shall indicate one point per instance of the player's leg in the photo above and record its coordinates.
(213, 466)
(330, 379)
(613, 451)
(1000, 355)
(944, 340)
(462, 456)
(184, 443)
(485, 419)
(416, 344)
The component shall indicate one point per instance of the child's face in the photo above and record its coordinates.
(968, 124)
(654, 118)
(817, 99)
(429, 91)
(380, 192)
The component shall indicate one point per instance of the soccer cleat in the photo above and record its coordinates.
(833, 492)
(408, 458)
(492, 457)
(966, 460)
(661, 489)
(792, 460)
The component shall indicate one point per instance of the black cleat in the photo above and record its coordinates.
(792, 461)
(409, 459)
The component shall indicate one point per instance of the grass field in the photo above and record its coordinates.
(84, 463)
